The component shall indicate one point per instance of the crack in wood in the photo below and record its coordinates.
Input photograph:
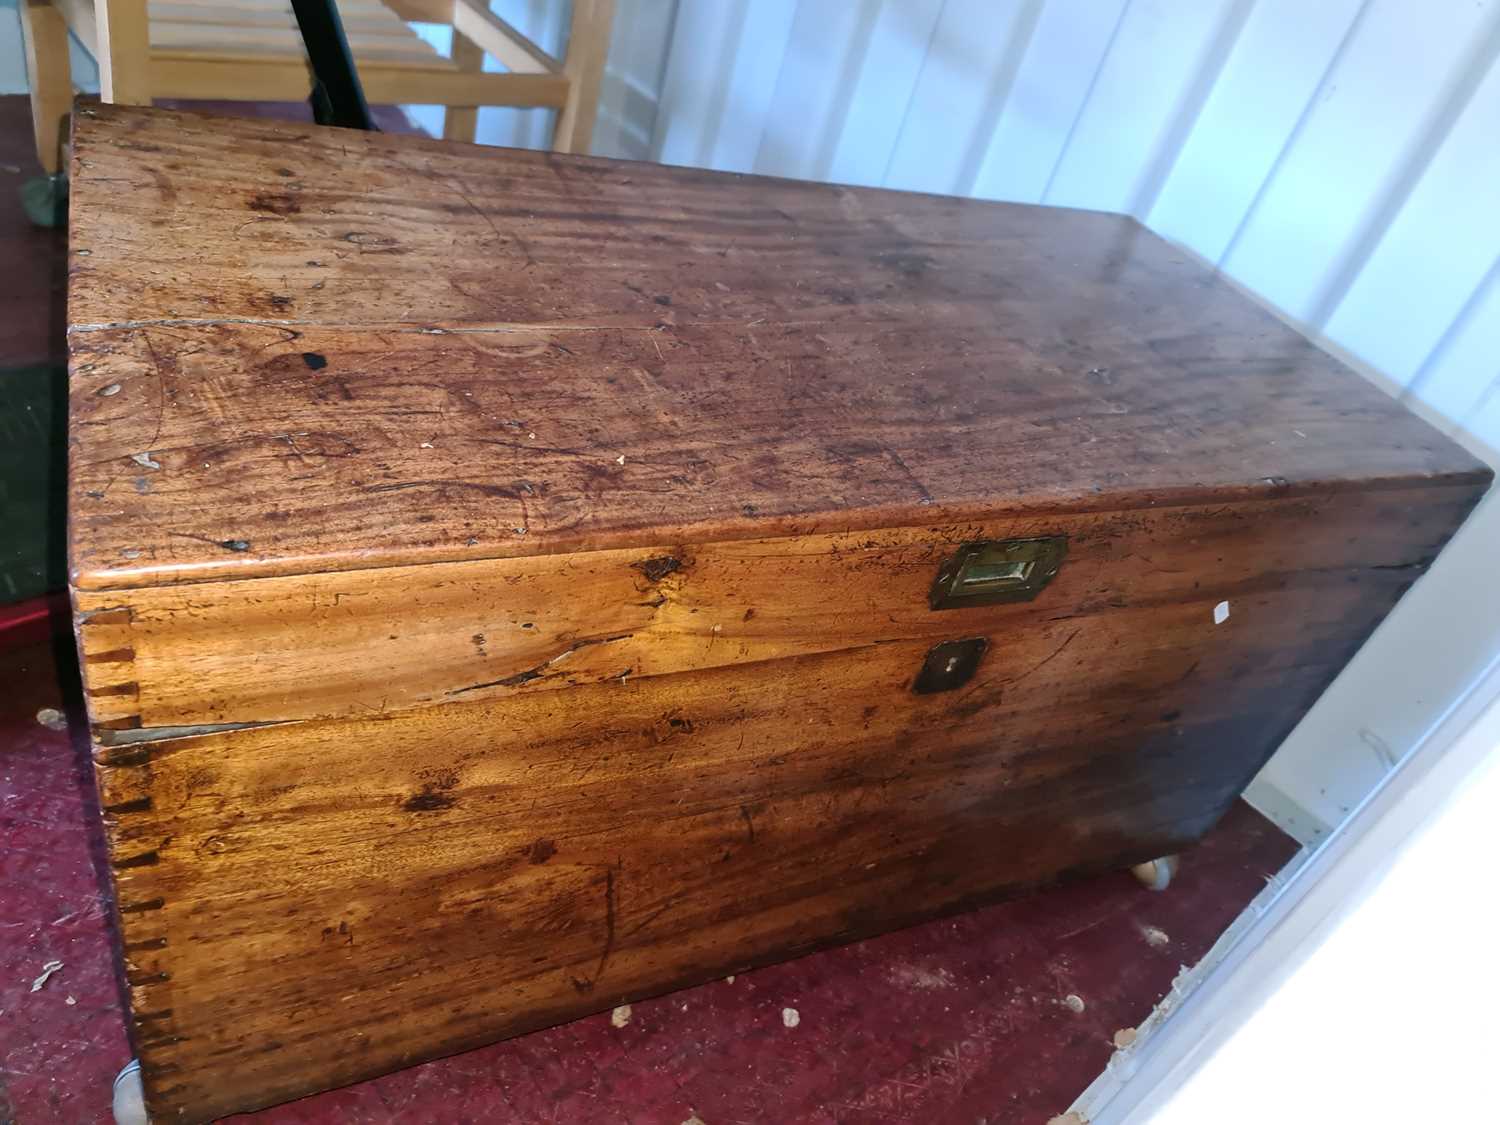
(537, 672)
(162, 734)
(1051, 656)
(586, 984)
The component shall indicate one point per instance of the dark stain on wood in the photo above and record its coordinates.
(341, 931)
(434, 796)
(138, 804)
(275, 203)
(541, 851)
(658, 568)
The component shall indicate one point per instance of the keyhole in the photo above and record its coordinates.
(949, 665)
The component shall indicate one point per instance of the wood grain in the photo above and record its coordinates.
(514, 51)
(398, 637)
(44, 34)
(308, 904)
(245, 77)
(122, 33)
(588, 44)
(501, 578)
(461, 121)
(699, 356)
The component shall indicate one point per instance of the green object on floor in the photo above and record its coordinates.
(33, 478)
(45, 200)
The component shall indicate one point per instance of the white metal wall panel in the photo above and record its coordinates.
(694, 84)
(1434, 279)
(1052, 84)
(1267, 83)
(741, 101)
(1147, 81)
(883, 62)
(1352, 161)
(970, 62)
(1461, 378)
(815, 88)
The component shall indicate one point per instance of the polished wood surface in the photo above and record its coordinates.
(310, 903)
(521, 353)
(501, 578)
(393, 638)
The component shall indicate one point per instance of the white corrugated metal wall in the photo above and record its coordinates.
(1341, 159)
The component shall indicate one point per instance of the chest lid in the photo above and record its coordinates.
(297, 350)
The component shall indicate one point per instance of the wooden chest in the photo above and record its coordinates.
(508, 585)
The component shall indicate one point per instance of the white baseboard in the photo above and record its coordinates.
(1298, 822)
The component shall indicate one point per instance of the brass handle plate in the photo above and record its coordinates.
(996, 571)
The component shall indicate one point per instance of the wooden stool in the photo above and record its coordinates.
(250, 50)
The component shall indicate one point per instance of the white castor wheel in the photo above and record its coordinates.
(1156, 874)
(130, 1096)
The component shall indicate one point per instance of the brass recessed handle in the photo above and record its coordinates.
(996, 571)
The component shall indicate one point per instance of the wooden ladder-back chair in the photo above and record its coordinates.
(251, 50)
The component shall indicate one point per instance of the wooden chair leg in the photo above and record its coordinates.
(588, 44)
(460, 121)
(124, 53)
(46, 37)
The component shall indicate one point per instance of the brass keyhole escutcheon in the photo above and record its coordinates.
(995, 571)
(949, 665)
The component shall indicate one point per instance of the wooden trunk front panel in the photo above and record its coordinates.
(366, 642)
(502, 580)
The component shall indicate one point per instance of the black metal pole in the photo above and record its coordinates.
(337, 97)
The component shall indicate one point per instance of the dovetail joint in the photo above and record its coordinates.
(109, 615)
(112, 656)
(121, 758)
(141, 907)
(138, 805)
(127, 722)
(144, 859)
(131, 689)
